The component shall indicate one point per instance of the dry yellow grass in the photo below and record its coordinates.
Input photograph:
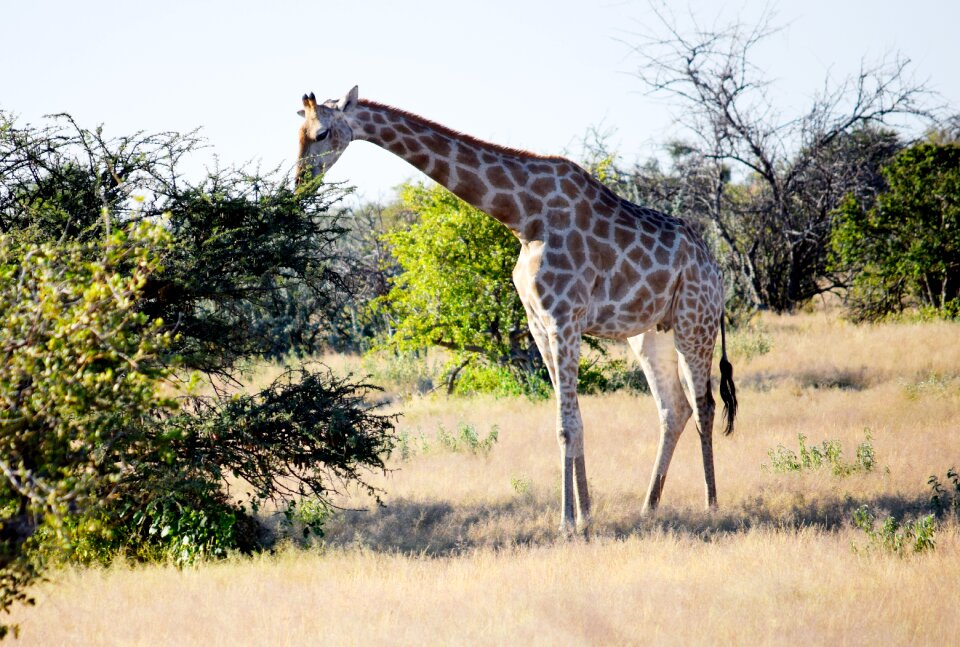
(759, 587)
(465, 551)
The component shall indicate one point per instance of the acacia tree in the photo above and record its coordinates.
(241, 249)
(253, 265)
(768, 183)
(364, 259)
(905, 244)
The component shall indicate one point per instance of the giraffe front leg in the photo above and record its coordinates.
(560, 350)
(575, 496)
(582, 494)
(658, 357)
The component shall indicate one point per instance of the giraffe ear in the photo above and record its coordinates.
(302, 113)
(349, 101)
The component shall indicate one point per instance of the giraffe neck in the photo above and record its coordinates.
(487, 176)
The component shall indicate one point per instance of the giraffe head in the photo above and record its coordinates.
(325, 132)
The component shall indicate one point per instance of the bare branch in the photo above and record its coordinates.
(791, 171)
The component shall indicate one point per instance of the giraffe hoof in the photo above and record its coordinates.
(583, 532)
(570, 531)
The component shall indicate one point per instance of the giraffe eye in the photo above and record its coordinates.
(322, 135)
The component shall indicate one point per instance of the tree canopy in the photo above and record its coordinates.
(767, 181)
(454, 289)
(904, 245)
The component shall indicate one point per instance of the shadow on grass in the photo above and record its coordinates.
(437, 528)
(843, 379)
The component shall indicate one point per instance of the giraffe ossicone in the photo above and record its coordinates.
(590, 263)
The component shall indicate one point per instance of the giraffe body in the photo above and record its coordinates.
(590, 263)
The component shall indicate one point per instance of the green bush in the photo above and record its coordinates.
(944, 500)
(501, 381)
(465, 440)
(749, 341)
(165, 528)
(306, 517)
(80, 375)
(522, 486)
(602, 374)
(893, 536)
(917, 536)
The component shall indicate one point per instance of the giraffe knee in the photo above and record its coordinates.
(571, 443)
(674, 419)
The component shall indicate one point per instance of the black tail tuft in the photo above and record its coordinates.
(728, 390)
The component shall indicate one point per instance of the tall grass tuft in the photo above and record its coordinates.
(828, 454)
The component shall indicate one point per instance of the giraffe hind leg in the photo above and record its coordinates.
(695, 364)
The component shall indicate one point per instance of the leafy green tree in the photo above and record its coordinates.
(455, 289)
(905, 247)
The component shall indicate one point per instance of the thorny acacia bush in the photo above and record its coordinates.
(252, 267)
(120, 274)
(306, 436)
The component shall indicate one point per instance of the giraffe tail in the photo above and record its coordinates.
(728, 391)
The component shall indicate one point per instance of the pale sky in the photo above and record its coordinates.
(533, 75)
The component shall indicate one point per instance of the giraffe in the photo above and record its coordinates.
(589, 263)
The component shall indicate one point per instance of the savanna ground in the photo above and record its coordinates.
(465, 550)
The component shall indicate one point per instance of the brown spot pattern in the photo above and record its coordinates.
(467, 157)
(498, 178)
(543, 186)
(469, 187)
(504, 207)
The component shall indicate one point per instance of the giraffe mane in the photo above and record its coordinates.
(456, 134)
